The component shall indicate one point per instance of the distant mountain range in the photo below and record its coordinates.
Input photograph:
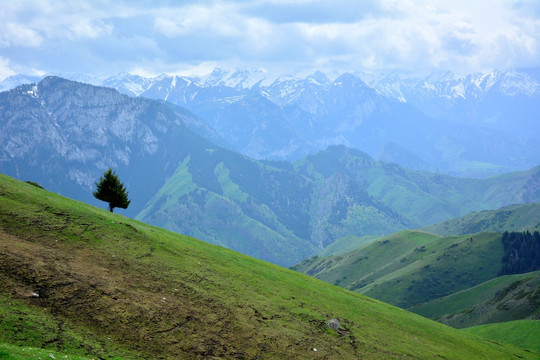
(505, 101)
(474, 125)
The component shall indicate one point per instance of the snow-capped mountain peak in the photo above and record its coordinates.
(133, 85)
(319, 78)
(515, 83)
(233, 78)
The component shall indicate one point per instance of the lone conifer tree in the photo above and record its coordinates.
(111, 190)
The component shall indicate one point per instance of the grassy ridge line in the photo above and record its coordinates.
(504, 298)
(346, 244)
(160, 294)
(467, 298)
(438, 269)
(509, 218)
(412, 266)
(522, 333)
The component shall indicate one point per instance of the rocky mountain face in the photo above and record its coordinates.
(64, 134)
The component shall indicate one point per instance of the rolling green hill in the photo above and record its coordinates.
(509, 218)
(80, 280)
(522, 333)
(501, 299)
(365, 261)
(451, 279)
(412, 267)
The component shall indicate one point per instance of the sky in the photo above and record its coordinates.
(105, 37)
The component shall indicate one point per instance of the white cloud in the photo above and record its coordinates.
(220, 19)
(87, 29)
(457, 35)
(184, 69)
(35, 22)
(18, 34)
(5, 69)
(348, 35)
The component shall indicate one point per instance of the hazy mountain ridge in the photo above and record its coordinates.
(479, 124)
(453, 87)
(508, 218)
(312, 113)
(314, 201)
(13, 81)
(422, 196)
(505, 101)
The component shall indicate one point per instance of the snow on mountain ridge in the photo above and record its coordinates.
(518, 83)
(133, 85)
(234, 78)
(455, 87)
(400, 86)
(13, 81)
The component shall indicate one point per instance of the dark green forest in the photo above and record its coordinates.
(521, 252)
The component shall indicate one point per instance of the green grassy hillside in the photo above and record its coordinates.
(509, 218)
(13, 352)
(504, 298)
(522, 333)
(83, 281)
(412, 267)
(367, 263)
